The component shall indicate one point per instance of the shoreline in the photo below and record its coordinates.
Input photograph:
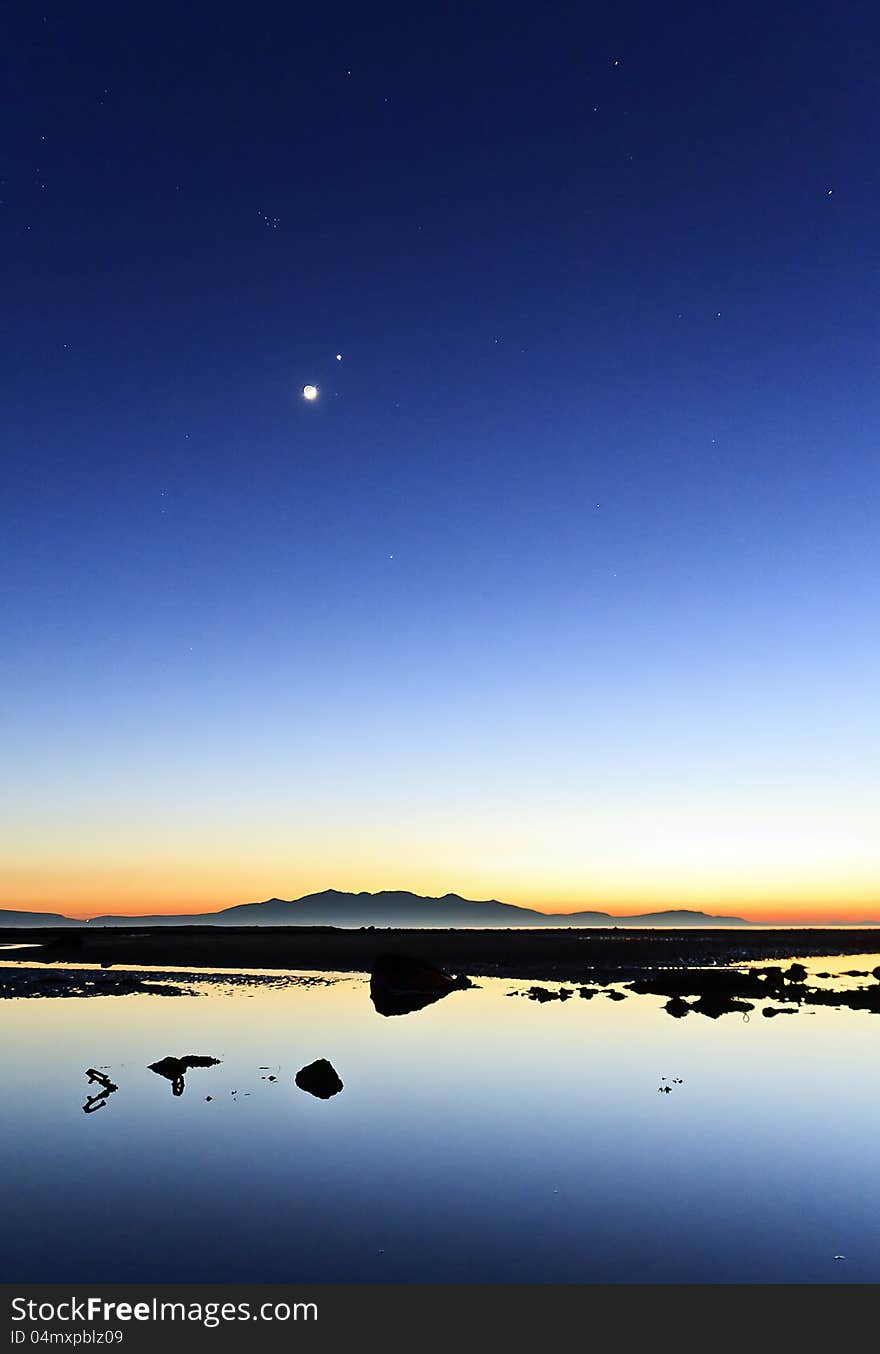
(567, 955)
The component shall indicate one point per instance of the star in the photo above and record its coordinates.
(310, 392)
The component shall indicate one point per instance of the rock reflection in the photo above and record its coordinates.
(175, 1069)
(400, 984)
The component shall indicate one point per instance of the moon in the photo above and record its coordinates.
(310, 392)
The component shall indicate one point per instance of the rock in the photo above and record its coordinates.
(715, 1004)
(400, 983)
(320, 1079)
(677, 1007)
(174, 1069)
(796, 973)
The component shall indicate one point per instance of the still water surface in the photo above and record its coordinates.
(486, 1138)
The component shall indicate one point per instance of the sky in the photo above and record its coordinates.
(563, 590)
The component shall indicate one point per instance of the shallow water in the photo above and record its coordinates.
(483, 1138)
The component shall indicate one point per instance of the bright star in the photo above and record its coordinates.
(310, 392)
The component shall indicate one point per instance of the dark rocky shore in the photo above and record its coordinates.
(565, 955)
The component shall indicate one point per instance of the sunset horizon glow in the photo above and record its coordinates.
(784, 911)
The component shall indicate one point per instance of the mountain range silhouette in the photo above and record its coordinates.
(388, 908)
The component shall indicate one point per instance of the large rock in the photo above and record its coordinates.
(400, 983)
(320, 1079)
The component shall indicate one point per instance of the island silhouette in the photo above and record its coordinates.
(387, 908)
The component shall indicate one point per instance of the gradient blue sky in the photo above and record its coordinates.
(604, 280)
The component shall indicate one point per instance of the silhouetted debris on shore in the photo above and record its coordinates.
(320, 1079)
(23, 982)
(400, 983)
(712, 986)
(717, 992)
(174, 1069)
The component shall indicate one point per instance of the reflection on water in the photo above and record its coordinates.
(99, 1099)
(175, 1069)
(95, 980)
(401, 984)
(477, 1139)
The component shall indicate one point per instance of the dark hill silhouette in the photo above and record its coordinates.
(399, 908)
(403, 909)
(29, 919)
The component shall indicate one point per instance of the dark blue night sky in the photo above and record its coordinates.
(564, 590)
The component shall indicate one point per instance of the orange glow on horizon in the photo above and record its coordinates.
(131, 902)
(763, 864)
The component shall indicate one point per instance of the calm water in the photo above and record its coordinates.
(484, 1138)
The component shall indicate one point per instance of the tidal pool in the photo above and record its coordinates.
(485, 1138)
